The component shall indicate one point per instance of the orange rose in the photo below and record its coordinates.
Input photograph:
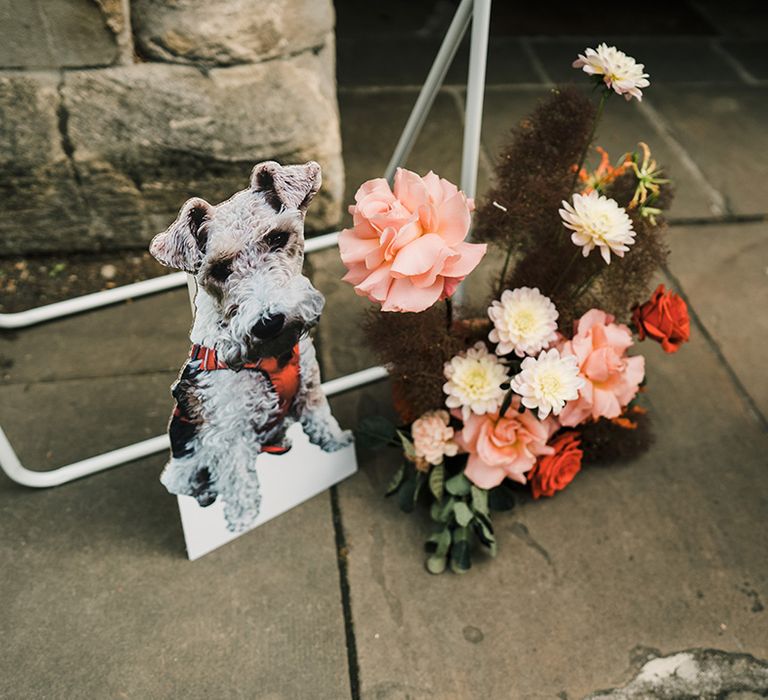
(664, 318)
(554, 472)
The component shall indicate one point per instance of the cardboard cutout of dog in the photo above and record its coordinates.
(252, 370)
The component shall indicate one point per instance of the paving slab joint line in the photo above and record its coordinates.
(457, 95)
(717, 203)
(727, 220)
(342, 551)
(536, 63)
(746, 397)
(734, 63)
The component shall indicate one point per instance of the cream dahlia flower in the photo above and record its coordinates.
(598, 222)
(620, 72)
(433, 437)
(546, 382)
(474, 381)
(524, 320)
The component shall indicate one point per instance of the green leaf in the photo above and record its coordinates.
(438, 560)
(408, 448)
(484, 532)
(463, 513)
(437, 481)
(406, 495)
(436, 565)
(435, 510)
(375, 432)
(480, 500)
(501, 498)
(421, 477)
(458, 485)
(444, 510)
(396, 480)
(506, 402)
(461, 559)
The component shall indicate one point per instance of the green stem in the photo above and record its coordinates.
(584, 287)
(600, 107)
(503, 275)
(565, 271)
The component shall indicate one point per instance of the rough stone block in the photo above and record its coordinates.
(227, 32)
(145, 138)
(65, 33)
(38, 189)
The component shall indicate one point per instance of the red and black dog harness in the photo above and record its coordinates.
(282, 373)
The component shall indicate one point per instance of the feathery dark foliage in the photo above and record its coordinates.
(606, 443)
(416, 345)
(534, 175)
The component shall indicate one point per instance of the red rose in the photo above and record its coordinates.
(664, 318)
(554, 472)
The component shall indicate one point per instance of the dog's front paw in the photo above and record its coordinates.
(337, 442)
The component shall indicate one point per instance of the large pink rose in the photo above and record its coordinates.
(613, 379)
(406, 248)
(505, 447)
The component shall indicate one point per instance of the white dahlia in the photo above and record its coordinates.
(597, 221)
(474, 381)
(524, 320)
(620, 72)
(546, 382)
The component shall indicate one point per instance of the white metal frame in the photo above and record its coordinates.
(476, 11)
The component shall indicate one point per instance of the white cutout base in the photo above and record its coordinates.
(286, 481)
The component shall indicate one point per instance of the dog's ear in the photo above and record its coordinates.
(182, 244)
(287, 186)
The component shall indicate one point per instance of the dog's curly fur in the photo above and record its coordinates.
(246, 255)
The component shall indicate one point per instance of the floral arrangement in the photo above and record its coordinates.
(516, 395)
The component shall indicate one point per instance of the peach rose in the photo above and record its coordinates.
(612, 378)
(554, 472)
(406, 249)
(503, 447)
(664, 318)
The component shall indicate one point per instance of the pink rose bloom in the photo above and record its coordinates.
(612, 378)
(505, 447)
(406, 248)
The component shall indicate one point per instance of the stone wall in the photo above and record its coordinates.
(112, 114)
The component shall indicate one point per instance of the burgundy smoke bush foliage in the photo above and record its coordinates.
(605, 443)
(416, 345)
(627, 281)
(535, 173)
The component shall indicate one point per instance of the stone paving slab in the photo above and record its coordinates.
(98, 599)
(622, 127)
(751, 54)
(147, 334)
(724, 132)
(371, 123)
(724, 272)
(662, 554)
(360, 61)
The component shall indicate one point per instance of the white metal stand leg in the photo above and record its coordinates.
(479, 12)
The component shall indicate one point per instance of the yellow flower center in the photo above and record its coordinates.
(522, 321)
(474, 382)
(551, 384)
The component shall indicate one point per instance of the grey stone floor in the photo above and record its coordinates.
(331, 600)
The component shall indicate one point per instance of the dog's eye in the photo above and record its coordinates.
(277, 239)
(220, 270)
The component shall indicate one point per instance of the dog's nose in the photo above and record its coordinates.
(268, 327)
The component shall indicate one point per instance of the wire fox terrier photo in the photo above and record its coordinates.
(252, 370)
